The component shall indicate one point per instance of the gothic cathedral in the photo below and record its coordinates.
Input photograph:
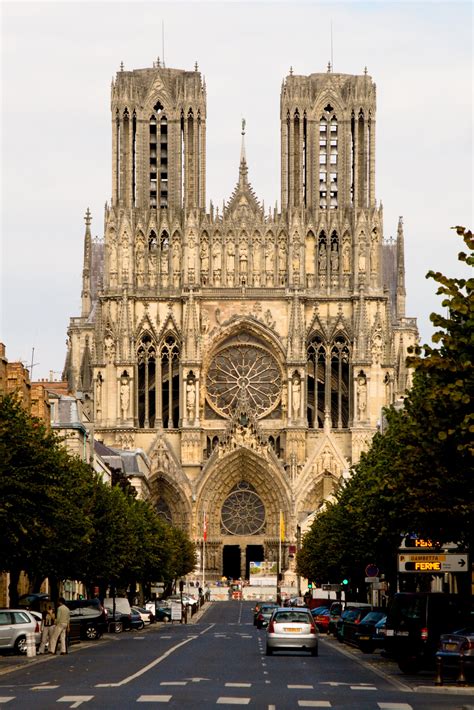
(247, 353)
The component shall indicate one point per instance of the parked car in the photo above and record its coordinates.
(146, 615)
(291, 628)
(14, 625)
(359, 631)
(263, 616)
(352, 614)
(336, 610)
(321, 618)
(415, 622)
(88, 621)
(459, 644)
(121, 620)
(190, 602)
(136, 621)
(163, 612)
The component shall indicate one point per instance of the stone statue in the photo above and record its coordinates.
(361, 396)
(176, 256)
(124, 397)
(191, 399)
(243, 257)
(346, 258)
(109, 347)
(296, 396)
(217, 256)
(204, 253)
(334, 259)
(112, 256)
(230, 263)
(374, 254)
(125, 255)
(323, 259)
(269, 258)
(362, 258)
(98, 394)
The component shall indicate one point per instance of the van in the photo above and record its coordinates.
(415, 621)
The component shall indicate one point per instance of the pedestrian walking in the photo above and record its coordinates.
(47, 629)
(61, 626)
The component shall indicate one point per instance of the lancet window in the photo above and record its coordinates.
(158, 167)
(158, 383)
(328, 382)
(328, 160)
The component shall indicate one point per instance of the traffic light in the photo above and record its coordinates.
(345, 583)
(310, 585)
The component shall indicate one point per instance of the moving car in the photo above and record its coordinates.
(14, 625)
(415, 622)
(263, 616)
(291, 628)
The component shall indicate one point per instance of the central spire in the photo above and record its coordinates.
(243, 159)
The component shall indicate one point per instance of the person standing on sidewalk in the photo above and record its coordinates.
(61, 626)
(47, 629)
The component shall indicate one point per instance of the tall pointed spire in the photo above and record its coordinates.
(86, 270)
(243, 171)
(401, 292)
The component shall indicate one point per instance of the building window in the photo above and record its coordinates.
(146, 362)
(170, 385)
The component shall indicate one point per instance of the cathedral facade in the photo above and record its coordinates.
(248, 353)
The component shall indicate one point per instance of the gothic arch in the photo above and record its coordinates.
(224, 471)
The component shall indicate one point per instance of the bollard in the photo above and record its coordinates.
(439, 671)
(30, 645)
(461, 679)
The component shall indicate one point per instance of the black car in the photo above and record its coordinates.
(360, 632)
(88, 619)
(415, 622)
(352, 615)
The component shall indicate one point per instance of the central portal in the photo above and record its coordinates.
(231, 561)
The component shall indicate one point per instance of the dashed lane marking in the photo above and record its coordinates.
(45, 687)
(75, 700)
(363, 687)
(314, 704)
(174, 682)
(232, 701)
(154, 698)
(394, 706)
(238, 685)
(300, 687)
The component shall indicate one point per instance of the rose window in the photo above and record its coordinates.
(243, 512)
(244, 374)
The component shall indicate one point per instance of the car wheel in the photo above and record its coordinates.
(20, 645)
(92, 633)
(166, 619)
(268, 651)
(140, 626)
(314, 651)
(118, 627)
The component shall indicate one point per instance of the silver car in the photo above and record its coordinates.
(290, 629)
(14, 625)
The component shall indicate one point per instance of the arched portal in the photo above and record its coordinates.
(243, 495)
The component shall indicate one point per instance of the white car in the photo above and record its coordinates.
(292, 628)
(145, 614)
(14, 625)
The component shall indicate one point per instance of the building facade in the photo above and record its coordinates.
(247, 352)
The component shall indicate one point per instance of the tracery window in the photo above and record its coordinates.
(170, 385)
(146, 362)
(243, 512)
(243, 374)
(163, 511)
(328, 382)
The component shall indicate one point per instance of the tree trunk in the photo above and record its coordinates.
(13, 588)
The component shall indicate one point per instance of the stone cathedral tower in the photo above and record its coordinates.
(248, 354)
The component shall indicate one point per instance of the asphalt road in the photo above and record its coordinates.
(218, 661)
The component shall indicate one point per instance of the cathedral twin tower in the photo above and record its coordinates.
(248, 355)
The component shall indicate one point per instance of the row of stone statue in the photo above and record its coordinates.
(232, 264)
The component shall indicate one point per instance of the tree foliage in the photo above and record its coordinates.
(417, 476)
(59, 520)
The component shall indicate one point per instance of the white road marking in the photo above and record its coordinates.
(301, 687)
(146, 668)
(165, 637)
(394, 706)
(207, 629)
(45, 687)
(314, 704)
(174, 682)
(76, 700)
(197, 680)
(238, 685)
(154, 698)
(232, 701)
(6, 699)
(363, 687)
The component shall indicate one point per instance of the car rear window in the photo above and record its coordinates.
(284, 617)
(19, 617)
(5, 618)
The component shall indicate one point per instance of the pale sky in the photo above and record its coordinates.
(58, 60)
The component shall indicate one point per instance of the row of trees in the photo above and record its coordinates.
(418, 476)
(59, 520)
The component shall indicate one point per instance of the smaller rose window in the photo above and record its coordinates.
(243, 512)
